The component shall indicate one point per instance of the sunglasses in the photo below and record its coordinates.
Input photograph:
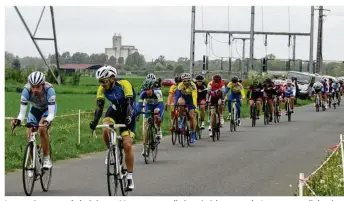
(35, 86)
(104, 81)
(186, 81)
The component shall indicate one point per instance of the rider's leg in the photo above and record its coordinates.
(202, 108)
(238, 106)
(272, 109)
(193, 123)
(157, 122)
(181, 109)
(128, 136)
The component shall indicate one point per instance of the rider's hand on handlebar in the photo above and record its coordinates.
(15, 122)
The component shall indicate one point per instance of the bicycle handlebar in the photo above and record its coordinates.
(112, 126)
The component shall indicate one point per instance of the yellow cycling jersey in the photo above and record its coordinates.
(191, 90)
(121, 90)
(173, 89)
(236, 88)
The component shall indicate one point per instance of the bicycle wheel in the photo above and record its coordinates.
(29, 169)
(112, 176)
(46, 174)
(154, 147)
(187, 133)
(218, 127)
(174, 131)
(182, 134)
(254, 115)
(317, 104)
(276, 112)
(213, 128)
(147, 146)
(123, 181)
(235, 118)
(289, 112)
(265, 114)
(231, 121)
(197, 126)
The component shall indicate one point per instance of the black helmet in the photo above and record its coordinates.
(177, 79)
(240, 80)
(199, 78)
(235, 79)
(268, 80)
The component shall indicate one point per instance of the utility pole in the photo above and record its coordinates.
(294, 48)
(251, 38)
(311, 41)
(192, 46)
(243, 71)
(221, 63)
(319, 42)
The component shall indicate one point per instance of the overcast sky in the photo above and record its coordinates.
(166, 31)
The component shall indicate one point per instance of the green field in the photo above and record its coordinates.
(64, 132)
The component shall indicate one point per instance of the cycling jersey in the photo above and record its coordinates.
(279, 90)
(289, 91)
(201, 92)
(335, 87)
(173, 89)
(254, 92)
(235, 88)
(269, 89)
(216, 92)
(188, 93)
(117, 110)
(152, 102)
(41, 105)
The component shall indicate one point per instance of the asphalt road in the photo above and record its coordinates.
(260, 161)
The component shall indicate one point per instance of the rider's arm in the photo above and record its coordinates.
(194, 95)
(128, 94)
(227, 88)
(100, 104)
(23, 104)
(242, 91)
(177, 94)
(140, 103)
(51, 97)
(170, 94)
(160, 103)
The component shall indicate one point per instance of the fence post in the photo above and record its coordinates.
(341, 150)
(79, 123)
(301, 181)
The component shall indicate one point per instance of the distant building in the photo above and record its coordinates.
(118, 50)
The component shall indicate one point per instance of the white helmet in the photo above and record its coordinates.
(185, 76)
(106, 72)
(289, 81)
(277, 82)
(36, 78)
(151, 76)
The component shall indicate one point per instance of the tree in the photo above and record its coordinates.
(179, 69)
(16, 62)
(80, 58)
(65, 57)
(9, 57)
(135, 59)
(121, 60)
(112, 61)
(271, 56)
(169, 67)
(161, 60)
(158, 67)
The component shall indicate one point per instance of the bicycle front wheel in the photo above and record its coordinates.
(111, 173)
(46, 174)
(29, 170)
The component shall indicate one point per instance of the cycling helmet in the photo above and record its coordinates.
(36, 78)
(277, 82)
(217, 78)
(289, 81)
(199, 78)
(147, 84)
(106, 72)
(341, 81)
(151, 76)
(177, 79)
(235, 79)
(269, 80)
(240, 81)
(186, 76)
(255, 82)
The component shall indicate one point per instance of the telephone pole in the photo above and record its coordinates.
(251, 38)
(311, 42)
(319, 42)
(243, 71)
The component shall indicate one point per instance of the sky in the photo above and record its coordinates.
(166, 30)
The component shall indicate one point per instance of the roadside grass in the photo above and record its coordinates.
(328, 181)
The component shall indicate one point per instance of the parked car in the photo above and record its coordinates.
(168, 82)
(305, 83)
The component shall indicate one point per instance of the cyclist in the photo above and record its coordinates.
(154, 102)
(170, 99)
(325, 91)
(201, 96)
(42, 98)
(317, 89)
(186, 94)
(290, 92)
(237, 93)
(269, 92)
(335, 90)
(255, 93)
(341, 87)
(279, 89)
(215, 95)
(122, 96)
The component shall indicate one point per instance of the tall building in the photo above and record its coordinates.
(118, 50)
